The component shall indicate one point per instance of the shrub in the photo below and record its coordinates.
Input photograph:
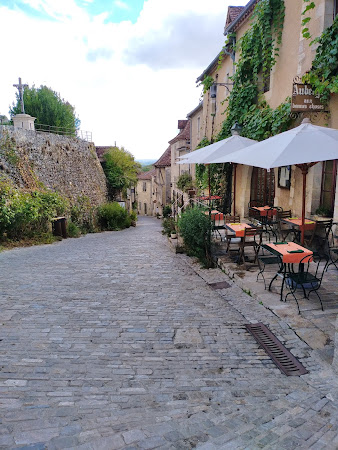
(168, 225)
(195, 229)
(166, 211)
(73, 230)
(27, 214)
(112, 216)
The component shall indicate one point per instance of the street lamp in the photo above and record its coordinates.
(236, 129)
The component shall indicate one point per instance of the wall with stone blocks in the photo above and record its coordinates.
(67, 165)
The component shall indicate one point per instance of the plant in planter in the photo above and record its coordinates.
(185, 183)
(169, 226)
(322, 211)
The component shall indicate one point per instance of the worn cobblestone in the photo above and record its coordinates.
(112, 341)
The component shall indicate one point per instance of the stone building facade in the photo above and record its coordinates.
(294, 60)
(145, 193)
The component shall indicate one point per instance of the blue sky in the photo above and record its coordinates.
(117, 11)
(129, 67)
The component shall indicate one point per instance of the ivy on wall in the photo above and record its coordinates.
(323, 75)
(258, 50)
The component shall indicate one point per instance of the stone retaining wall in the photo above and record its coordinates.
(64, 164)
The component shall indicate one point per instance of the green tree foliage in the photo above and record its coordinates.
(121, 170)
(48, 108)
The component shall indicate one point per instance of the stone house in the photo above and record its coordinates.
(180, 145)
(294, 60)
(161, 182)
(145, 193)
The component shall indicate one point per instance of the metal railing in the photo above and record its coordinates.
(43, 128)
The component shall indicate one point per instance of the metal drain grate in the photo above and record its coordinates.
(283, 359)
(219, 285)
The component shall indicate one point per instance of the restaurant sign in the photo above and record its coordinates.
(304, 99)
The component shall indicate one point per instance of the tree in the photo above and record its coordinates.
(48, 108)
(121, 170)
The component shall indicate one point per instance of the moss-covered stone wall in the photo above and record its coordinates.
(67, 165)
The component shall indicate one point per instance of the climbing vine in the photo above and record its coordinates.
(207, 82)
(305, 31)
(323, 75)
(259, 49)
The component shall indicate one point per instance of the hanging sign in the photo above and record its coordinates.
(304, 99)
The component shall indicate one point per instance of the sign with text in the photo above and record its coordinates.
(304, 99)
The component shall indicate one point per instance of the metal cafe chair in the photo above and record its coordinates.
(308, 278)
(230, 237)
(284, 230)
(333, 250)
(267, 259)
(252, 239)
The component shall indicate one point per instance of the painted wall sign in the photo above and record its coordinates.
(304, 99)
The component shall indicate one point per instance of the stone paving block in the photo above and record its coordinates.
(89, 350)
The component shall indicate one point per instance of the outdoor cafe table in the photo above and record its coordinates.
(265, 211)
(296, 222)
(238, 228)
(215, 215)
(289, 253)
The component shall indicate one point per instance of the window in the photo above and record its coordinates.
(145, 208)
(329, 178)
(198, 127)
(263, 186)
(144, 186)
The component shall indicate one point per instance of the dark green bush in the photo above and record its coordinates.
(112, 216)
(166, 211)
(168, 225)
(73, 230)
(27, 214)
(195, 228)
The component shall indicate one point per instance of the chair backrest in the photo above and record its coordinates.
(253, 235)
(232, 219)
(323, 227)
(316, 266)
(283, 214)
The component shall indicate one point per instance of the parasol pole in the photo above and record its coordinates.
(304, 173)
(235, 170)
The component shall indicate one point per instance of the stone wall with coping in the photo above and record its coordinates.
(64, 164)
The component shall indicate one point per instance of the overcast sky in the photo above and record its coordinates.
(128, 66)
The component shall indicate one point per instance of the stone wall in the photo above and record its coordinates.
(67, 165)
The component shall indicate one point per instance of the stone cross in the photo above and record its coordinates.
(21, 88)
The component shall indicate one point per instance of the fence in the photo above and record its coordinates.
(43, 128)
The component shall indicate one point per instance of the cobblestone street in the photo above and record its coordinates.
(113, 341)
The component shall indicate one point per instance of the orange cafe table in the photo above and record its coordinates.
(296, 222)
(238, 228)
(290, 253)
(215, 215)
(265, 210)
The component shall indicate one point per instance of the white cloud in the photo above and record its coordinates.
(129, 83)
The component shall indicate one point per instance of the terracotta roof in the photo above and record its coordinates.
(100, 151)
(243, 15)
(183, 134)
(233, 13)
(146, 175)
(165, 159)
(181, 124)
